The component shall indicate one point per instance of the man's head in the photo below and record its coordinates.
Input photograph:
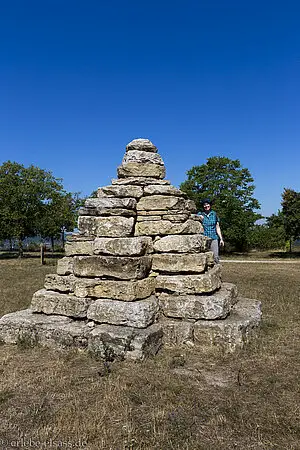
(206, 203)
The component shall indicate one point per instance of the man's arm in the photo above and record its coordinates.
(218, 230)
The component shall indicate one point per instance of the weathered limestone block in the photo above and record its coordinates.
(131, 246)
(179, 263)
(141, 145)
(50, 302)
(115, 342)
(153, 213)
(106, 226)
(213, 306)
(190, 284)
(120, 191)
(139, 314)
(109, 206)
(52, 331)
(110, 202)
(142, 157)
(155, 189)
(163, 203)
(122, 267)
(78, 245)
(232, 332)
(138, 181)
(177, 332)
(166, 227)
(173, 216)
(61, 283)
(107, 212)
(182, 244)
(148, 218)
(176, 217)
(65, 266)
(115, 289)
(210, 259)
(135, 169)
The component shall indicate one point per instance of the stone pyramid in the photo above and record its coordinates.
(137, 275)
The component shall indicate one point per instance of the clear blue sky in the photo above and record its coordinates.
(80, 79)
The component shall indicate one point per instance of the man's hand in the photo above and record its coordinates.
(222, 242)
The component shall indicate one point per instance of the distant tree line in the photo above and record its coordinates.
(231, 188)
(34, 203)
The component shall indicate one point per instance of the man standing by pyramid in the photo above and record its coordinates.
(211, 225)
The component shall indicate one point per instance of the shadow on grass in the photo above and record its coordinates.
(266, 254)
(285, 255)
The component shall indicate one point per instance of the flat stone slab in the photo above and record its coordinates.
(179, 263)
(120, 191)
(156, 189)
(58, 332)
(107, 206)
(79, 246)
(51, 302)
(111, 226)
(176, 217)
(177, 332)
(139, 314)
(115, 289)
(232, 332)
(121, 212)
(138, 181)
(110, 202)
(130, 246)
(213, 306)
(194, 243)
(135, 169)
(61, 283)
(64, 266)
(115, 342)
(190, 284)
(142, 157)
(166, 227)
(141, 145)
(121, 267)
(163, 202)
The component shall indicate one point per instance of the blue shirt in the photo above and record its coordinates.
(209, 223)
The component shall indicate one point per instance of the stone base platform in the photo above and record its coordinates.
(229, 334)
(119, 342)
(60, 332)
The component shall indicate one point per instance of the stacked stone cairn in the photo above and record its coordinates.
(139, 274)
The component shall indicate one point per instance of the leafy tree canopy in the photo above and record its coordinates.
(230, 187)
(32, 201)
(291, 213)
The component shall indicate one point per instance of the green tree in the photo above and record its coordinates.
(267, 236)
(59, 214)
(24, 196)
(291, 214)
(230, 187)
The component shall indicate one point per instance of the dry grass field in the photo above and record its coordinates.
(181, 399)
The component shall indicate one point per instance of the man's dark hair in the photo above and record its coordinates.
(206, 200)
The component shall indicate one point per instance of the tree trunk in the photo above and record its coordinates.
(21, 252)
(52, 244)
(63, 237)
(42, 253)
